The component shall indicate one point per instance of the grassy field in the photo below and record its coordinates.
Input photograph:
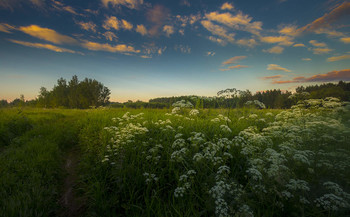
(180, 162)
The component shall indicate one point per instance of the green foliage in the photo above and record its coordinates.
(75, 94)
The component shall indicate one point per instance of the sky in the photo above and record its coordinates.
(143, 49)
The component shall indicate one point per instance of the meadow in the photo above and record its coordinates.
(176, 162)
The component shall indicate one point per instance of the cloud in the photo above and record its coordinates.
(182, 48)
(272, 77)
(345, 40)
(338, 58)
(132, 4)
(150, 49)
(11, 4)
(275, 50)
(234, 67)
(157, 16)
(299, 45)
(317, 44)
(43, 46)
(239, 21)
(321, 50)
(61, 7)
(326, 21)
(210, 53)
(275, 67)
(110, 36)
(185, 3)
(234, 60)
(247, 42)
(290, 30)
(169, 30)
(218, 30)
(217, 40)
(281, 40)
(120, 48)
(47, 34)
(327, 77)
(226, 6)
(306, 59)
(127, 25)
(141, 29)
(4, 27)
(113, 23)
(89, 26)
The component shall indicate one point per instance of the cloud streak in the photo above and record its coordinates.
(47, 34)
(275, 67)
(43, 46)
(233, 60)
(327, 77)
(120, 48)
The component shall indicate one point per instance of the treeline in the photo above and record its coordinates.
(73, 94)
(91, 93)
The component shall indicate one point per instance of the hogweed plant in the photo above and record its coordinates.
(296, 162)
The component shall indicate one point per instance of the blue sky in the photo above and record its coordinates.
(144, 49)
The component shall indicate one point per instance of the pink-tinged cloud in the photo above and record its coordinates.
(233, 60)
(272, 77)
(343, 75)
(157, 16)
(326, 21)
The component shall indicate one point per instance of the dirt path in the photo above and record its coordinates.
(71, 204)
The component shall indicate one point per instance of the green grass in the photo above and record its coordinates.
(312, 147)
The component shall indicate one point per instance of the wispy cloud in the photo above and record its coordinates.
(141, 29)
(169, 30)
(338, 58)
(321, 50)
(4, 27)
(247, 42)
(275, 67)
(327, 77)
(227, 6)
(306, 59)
(11, 4)
(120, 48)
(110, 36)
(47, 34)
(345, 40)
(317, 44)
(299, 45)
(290, 30)
(182, 48)
(325, 23)
(43, 46)
(133, 4)
(218, 30)
(238, 21)
(88, 26)
(210, 53)
(113, 23)
(281, 40)
(234, 67)
(157, 16)
(275, 50)
(233, 60)
(272, 77)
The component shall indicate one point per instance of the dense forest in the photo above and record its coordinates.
(90, 93)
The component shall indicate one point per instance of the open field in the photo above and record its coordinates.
(180, 162)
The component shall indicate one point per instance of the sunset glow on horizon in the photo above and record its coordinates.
(143, 49)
